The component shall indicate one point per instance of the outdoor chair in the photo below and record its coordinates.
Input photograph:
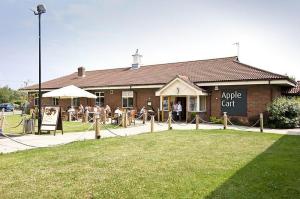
(79, 115)
(115, 119)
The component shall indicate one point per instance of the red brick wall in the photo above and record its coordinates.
(258, 97)
(142, 96)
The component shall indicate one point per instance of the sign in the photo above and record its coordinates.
(52, 119)
(234, 102)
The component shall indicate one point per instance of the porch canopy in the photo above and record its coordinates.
(180, 86)
(69, 92)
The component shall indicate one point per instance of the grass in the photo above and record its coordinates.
(12, 121)
(173, 164)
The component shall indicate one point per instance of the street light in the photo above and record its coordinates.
(40, 10)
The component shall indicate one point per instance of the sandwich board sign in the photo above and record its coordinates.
(234, 102)
(52, 119)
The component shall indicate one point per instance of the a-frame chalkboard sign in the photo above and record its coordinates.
(52, 119)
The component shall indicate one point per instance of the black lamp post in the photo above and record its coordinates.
(40, 10)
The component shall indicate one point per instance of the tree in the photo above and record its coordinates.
(8, 95)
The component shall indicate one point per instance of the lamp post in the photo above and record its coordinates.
(39, 11)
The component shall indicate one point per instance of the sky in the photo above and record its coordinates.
(100, 34)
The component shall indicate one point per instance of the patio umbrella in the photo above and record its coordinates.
(69, 92)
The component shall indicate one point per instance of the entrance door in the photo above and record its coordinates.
(182, 100)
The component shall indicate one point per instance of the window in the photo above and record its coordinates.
(36, 99)
(75, 101)
(100, 98)
(165, 103)
(202, 103)
(55, 101)
(193, 103)
(127, 99)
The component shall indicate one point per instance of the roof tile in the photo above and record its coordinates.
(212, 70)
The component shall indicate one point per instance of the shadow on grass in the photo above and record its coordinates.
(275, 173)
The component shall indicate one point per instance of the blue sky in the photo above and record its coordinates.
(104, 34)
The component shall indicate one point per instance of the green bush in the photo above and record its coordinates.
(216, 120)
(284, 113)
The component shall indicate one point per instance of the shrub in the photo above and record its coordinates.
(284, 113)
(215, 120)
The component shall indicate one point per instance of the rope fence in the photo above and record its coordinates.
(99, 124)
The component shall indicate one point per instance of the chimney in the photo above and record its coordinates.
(136, 60)
(81, 71)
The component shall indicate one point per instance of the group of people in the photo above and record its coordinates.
(117, 114)
(177, 111)
(90, 109)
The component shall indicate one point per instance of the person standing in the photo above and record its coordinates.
(174, 111)
(179, 110)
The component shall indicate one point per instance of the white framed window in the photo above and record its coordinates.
(75, 102)
(55, 101)
(36, 99)
(166, 103)
(202, 103)
(193, 104)
(100, 98)
(127, 99)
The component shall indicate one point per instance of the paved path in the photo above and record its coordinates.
(7, 145)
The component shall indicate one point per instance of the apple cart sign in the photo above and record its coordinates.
(234, 102)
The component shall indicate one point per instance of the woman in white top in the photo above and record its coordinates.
(179, 110)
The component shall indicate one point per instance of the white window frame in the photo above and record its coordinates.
(127, 95)
(73, 102)
(55, 101)
(201, 97)
(100, 95)
(36, 99)
(196, 105)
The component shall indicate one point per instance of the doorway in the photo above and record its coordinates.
(182, 101)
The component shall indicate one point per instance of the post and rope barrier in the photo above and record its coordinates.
(152, 124)
(225, 119)
(197, 121)
(261, 121)
(170, 121)
(97, 129)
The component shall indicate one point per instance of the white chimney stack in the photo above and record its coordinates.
(136, 60)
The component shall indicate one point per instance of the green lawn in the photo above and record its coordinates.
(174, 164)
(13, 120)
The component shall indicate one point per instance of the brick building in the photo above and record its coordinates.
(207, 87)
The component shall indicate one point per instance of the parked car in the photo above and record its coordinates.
(7, 107)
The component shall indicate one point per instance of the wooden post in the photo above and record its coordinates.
(123, 119)
(104, 117)
(170, 120)
(197, 121)
(2, 121)
(144, 117)
(97, 129)
(152, 123)
(34, 122)
(225, 120)
(86, 116)
(158, 115)
(24, 123)
(162, 110)
(126, 118)
(261, 122)
(133, 117)
(70, 116)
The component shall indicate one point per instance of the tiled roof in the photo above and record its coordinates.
(294, 91)
(211, 70)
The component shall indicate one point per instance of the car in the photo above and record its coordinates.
(8, 107)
